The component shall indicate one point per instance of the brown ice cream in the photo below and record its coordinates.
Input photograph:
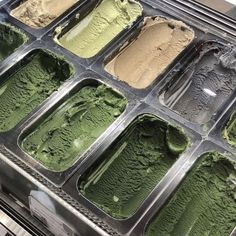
(156, 46)
(40, 13)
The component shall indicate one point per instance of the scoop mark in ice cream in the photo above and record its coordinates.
(71, 129)
(146, 57)
(10, 39)
(33, 80)
(134, 164)
(199, 91)
(98, 28)
(40, 13)
(204, 204)
(229, 131)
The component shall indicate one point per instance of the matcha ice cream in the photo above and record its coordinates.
(134, 164)
(160, 41)
(201, 89)
(10, 39)
(98, 28)
(229, 131)
(204, 204)
(31, 82)
(71, 129)
(40, 13)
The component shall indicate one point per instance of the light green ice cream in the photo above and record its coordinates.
(97, 29)
(204, 204)
(31, 82)
(61, 139)
(229, 131)
(131, 168)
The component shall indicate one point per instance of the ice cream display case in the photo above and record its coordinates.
(118, 117)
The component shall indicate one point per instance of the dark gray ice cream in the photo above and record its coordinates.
(199, 91)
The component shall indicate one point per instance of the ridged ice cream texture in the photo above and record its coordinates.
(60, 140)
(204, 204)
(199, 91)
(31, 82)
(134, 164)
(11, 39)
(100, 27)
(40, 13)
(148, 55)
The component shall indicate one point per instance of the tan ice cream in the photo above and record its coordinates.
(158, 44)
(40, 13)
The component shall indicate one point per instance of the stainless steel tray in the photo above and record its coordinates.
(47, 194)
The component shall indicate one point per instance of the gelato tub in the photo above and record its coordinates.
(160, 41)
(40, 13)
(134, 164)
(204, 204)
(30, 82)
(200, 90)
(10, 39)
(71, 129)
(100, 27)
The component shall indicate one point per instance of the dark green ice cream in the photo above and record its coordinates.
(204, 204)
(130, 169)
(71, 129)
(229, 131)
(30, 83)
(10, 39)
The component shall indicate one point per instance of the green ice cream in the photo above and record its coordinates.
(131, 168)
(10, 39)
(229, 132)
(97, 29)
(33, 80)
(71, 129)
(204, 204)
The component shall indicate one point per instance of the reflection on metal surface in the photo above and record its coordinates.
(4, 231)
(227, 7)
(231, 1)
(7, 223)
